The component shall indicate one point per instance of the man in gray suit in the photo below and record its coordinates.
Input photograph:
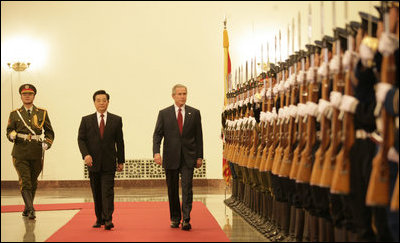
(180, 126)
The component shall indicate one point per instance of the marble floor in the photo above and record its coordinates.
(14, 227)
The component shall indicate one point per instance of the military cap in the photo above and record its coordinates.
(293, 58)
(327, 42)
(318, 46)
(27, 88)
(365, 18)
(354, 25)
(380, 11)
(341, 35)
(310, 49)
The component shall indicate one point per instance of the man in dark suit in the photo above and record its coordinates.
(180, 126)
(101, 143)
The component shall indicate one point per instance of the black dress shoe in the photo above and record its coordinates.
(186, 226)
(108, 225)
(96, 225)
(174, 224)
(25, 213)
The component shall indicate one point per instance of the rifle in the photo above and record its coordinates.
(281, 123)
(301, 129)
(341, 175)
(291, 138)
(330, 155)
(304, 171)
(273, 135)
(378, 186)
(324, 122)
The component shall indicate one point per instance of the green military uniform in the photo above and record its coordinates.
(28, 150)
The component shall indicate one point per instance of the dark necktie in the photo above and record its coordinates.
(29, 113)
(101, 126)
(180, 120)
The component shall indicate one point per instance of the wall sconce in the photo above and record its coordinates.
(19, 66)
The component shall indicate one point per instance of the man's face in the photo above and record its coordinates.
(101, 103)
(27, 98)
(180, 96)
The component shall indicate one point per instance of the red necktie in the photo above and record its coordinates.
(101, 126)
(180, 120)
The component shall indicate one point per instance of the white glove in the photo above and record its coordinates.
(269, 93)
(262, 93)
(388, 43)
(366, 54)
(275, 89)
(240, 103)
(247, 101)
(312, 108)
(301, 109)
(346, 60)
(381, 91)
(45, 146)
(292, 80)
(349, 104)
(287, 85)
(310, 75)
(300, 77)
(334, 64)
(335, 98)
(262, 116)
(281, 86)
(323, 69)
(268, 116)
(293, 110)
(12, 135)
(323, 105)
(257, 98)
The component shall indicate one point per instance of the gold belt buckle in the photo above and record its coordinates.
(29, 137)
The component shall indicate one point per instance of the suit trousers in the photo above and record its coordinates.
(102, 184)
(172, 178)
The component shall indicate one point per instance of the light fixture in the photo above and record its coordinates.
(19, 66)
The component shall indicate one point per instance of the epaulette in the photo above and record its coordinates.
(41, 108)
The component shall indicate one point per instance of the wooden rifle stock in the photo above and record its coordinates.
(325, 127)
(330, 155)
(288, 152)
(278, 153)
(302, 135)
(341, 175)
(378, 187)
(394, 204)
(305, 168)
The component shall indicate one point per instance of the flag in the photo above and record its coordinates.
(227, 81)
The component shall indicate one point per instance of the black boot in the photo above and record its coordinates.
(27, 196)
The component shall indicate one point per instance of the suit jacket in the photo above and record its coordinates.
(105, 152)
(189, 144)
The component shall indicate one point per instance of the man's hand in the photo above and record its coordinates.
(120, 167)
(13, 135)
(157, 159)
(199, 162)
(88, 160)
(45, 146)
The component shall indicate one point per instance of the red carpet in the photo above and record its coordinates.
(134, 221)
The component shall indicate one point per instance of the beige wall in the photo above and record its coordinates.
(136, 51)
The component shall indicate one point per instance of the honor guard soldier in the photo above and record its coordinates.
(24, 129)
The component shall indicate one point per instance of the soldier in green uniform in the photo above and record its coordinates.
(24, 129)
